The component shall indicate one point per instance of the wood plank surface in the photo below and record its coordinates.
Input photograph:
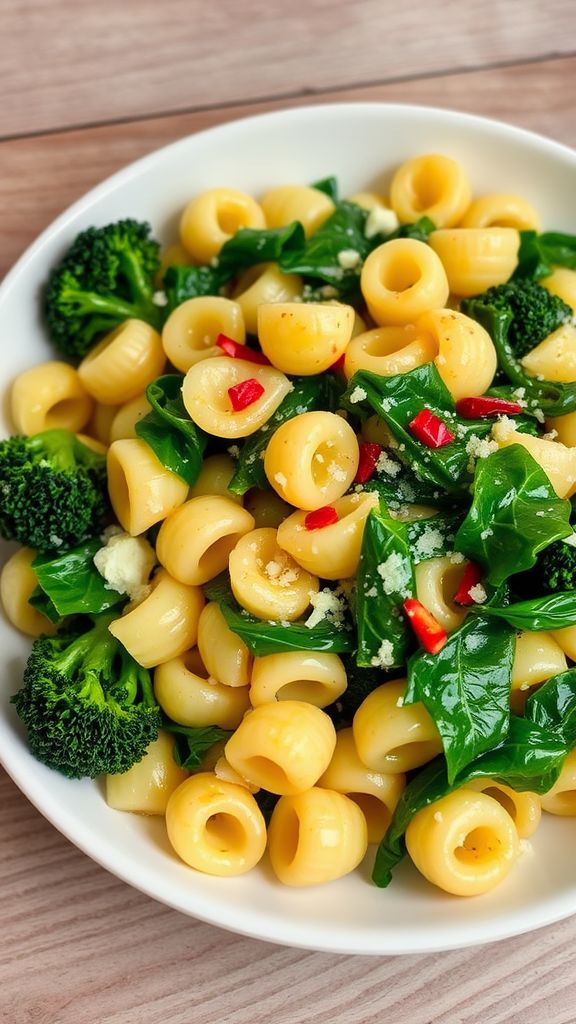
(74, 62)
(42, 175)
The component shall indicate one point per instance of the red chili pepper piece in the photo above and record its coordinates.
(237, 351)
(430, 430)
(476, 408)
(473, 574)
(429, 632)
(325, 516)
(338, 366)
(369, 455)
(245, 393)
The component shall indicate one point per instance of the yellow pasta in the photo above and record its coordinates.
(267, 581)
(437, 580)
(332, 552)
(525, 808)
(205, 392)
(215, 826)
(401, 279)
(561, 282)
(501, 210)
(389, 350)
(214, 477)
(261, 284)
(142, 491)
(537, 657)
(17, 584)
(101, 420)
(466, 358)
(266, 507)
(476, 258)
(147, 786)
(316, 837)
(49, 396)
(557, 460)
(224, 654)
(561, 798)
(122, 365)
(191, 697)
(566, 639)
(287, 203)
(555, 357)
(123, 423)
(163, 625)
(312, 676)
(195, 541)
(433, 186)
(213, 217)
(465, 843)
(311, 460)
(190, 332)
(391, 736)
(564, 428)
(304, 337)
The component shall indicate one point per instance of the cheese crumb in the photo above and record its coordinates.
(358, 395)
(478, 594)
(234, 451)
(326, 605)
(480, 447)
(387, 465)
(125, 563)
(336, 472)
(160, 298)
(456, 558)
(395, 574)
(488, 532)
(385, 655)
(380, 221)
(348, 259)
(429, 543)
(280, 479)
(438, 816)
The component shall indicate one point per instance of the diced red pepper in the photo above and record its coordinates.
(473, 574)
(325, 516)
(245, 393)
(338, 366)
(237, 351)
(430, 634)
(432, 431)
(369, 455)
(476, 408)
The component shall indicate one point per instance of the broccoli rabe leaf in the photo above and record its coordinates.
(185, 282)
(535, 313)
(515, 513)
(554, 611)
(72, 582)
(385, 579)
(173, 437)
(553, 706)
(329, 186)
(250, 246)
(539, 254)
(192, 743)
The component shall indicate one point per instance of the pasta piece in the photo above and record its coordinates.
(190, 332)
(466, 358)
(561, 282)
(93, 444)
(431, 186)
(195, 541)
(501, 210)
(316, 837)
(125, 418)
(101, 420)
(17, 584)
(174, 255)
(262, 284)
(287, 203)
(142, 491)
(537, 657)
(121, 366)
(266, 507)
(215, 826)
(476, 258)
(375, 793)
(191, 697)
(304, 337)
(389, 350)
(267, 581)
(566, 639)
(561, 799)
(557, 461)
(213, 217)
(525, 809)
(206, 395)
(555, 357)
(392, 737)
(564, 428)
(314, 677)
(147, 786)
(283, 747)
(224, 771)
(224, 654)
(49, 396)
(214, 477)
(163, 625)
(465, 843)
(401, 279)
(332, 552)
(437, 580)
(312, 459)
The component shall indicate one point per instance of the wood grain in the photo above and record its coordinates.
(74, 62)
(42, 175)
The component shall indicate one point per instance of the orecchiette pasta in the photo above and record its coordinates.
(311, 460)
(312, 676)
(266, 507)
(195, 541)
(49, 396)
(401, 279)
(163, 625)
(501, 210)
(224, 654)
(391, 736)
(561, 798)
(389, 350)
(190, 332)
(476, 258)
(525, 809)
(555, 357)
(213, 217)
(267, 581)
(304, 337)
(214, 477)
(193, 698)
(147, 786)
(537, 657)
(332, 552)
(562, 282)
(122, 365)
(431, 186)
(287, 203)
(142, 491)
(101, 420)
(466, 358)
(205, 392)
(557, 460)
(17, 584)
(437, 580)
(262, 284)
(125, 418)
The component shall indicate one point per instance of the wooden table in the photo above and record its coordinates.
(85, 89)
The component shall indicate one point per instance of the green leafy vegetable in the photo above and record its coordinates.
(515, 513)
(318, 257)
(535, 312)
(539, 254)
(250, 246)
(385, 579)
(432, 537)
(329, 186)
(554, 611)
(262, 637)
(173, 437)
(191, 744)
(72, 582)
(184, 282)
(553, 706)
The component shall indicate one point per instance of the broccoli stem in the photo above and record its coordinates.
(91, 653)
(91, 302)
(137, 279)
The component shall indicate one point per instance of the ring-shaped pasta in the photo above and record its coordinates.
(465, 843)
(332, 552)
(537, 657)
(375, 793)
(190, 332)
(312, 459)
(401, 279)
(163, 625)
(312, 676)
(393, 737)
(205, 395)
(566, 638)
(17, 584)
(174, 255)
(267, 507)
(557, 460)
(433, 186)
(213, 217)
(101, 420)
(476, 258)
(284, 746)
(304, 338)
(267, 581)
(215, 826)
(194, 542)
(525, 809)
(123, 364)
(565, 428)
(555, 357)
(197, 700)
(466, 358)
(316, 837)
(286, 203)
(224, 654)
(389, 350)
(561, 282)
(125, 418)
(142, 491)
(561, 798)
(49, 396)
(261, 284)
(147, 786)
(501, 210)
(437, 580)
(214, 477)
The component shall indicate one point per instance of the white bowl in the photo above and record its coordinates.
(361, 144)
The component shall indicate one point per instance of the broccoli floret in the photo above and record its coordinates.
(89, 708)
(535, 312)
(556, 568)
(106, 277)
(53, 491)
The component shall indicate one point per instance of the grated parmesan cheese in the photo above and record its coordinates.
(380, 221)
(385, 655)
(358, 395)
(348, 259)
(395, 574)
